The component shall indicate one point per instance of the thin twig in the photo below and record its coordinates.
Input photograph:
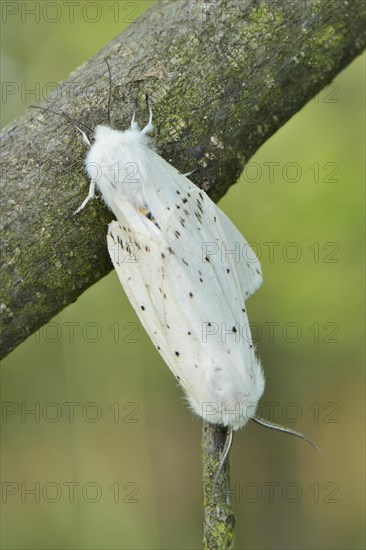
(219, 519)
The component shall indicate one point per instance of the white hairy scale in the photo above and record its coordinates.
(164, 223)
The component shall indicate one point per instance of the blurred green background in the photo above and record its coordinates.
(111, 451)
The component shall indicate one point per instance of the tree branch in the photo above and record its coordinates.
(222, 76)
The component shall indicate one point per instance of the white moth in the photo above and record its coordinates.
(176, 255)
(186, 270)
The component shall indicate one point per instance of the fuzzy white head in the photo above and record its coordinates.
(113, 163)
(104, 166)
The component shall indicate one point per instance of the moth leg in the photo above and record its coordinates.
(224, 456)
(86, 140)
(283, 429)
(134, 125)
(90, 196)
(149, 125)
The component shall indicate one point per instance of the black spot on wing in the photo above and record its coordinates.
(198, 216)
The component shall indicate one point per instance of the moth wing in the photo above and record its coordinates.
(138, 266)
(150, 292)
(226, 373)
(210, 296)
(172, 196)
(169, 195)
(211, 291)
(248, 268)
(194, 309)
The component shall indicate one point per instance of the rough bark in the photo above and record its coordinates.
(222, 77)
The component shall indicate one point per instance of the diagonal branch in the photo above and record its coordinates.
(223, 76)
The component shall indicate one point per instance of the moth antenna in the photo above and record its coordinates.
(70, 119)
(225, 454)
(110, 91)
(279, 428)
